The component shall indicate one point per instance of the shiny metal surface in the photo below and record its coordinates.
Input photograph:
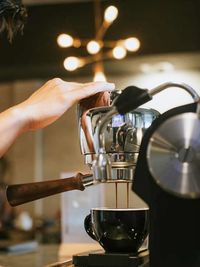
(174, 155)
(122, 166)
(87, 180)
(118, 135)
(183, 86)
(113, 138)
(101, 167)
(122, 134)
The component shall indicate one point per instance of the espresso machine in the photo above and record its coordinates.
(159, 155)
(109, 140)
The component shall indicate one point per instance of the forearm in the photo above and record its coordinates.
(44, 107)
(13, 123)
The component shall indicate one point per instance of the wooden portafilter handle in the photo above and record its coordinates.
(22, 193)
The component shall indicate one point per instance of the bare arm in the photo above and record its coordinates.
(44, 107)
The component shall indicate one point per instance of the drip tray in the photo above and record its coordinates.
(99, 259)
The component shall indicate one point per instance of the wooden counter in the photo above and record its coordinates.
(46, 256)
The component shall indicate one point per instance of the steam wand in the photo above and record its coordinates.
(131, 98)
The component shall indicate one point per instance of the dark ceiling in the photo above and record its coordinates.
(162, 27)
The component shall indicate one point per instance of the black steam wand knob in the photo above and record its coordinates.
(131, 98)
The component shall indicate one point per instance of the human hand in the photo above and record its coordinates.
(55, 97)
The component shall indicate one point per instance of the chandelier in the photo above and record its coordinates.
(97, 48)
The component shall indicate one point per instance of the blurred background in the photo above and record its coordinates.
(165, 46)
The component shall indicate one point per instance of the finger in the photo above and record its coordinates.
(91, 89)
(101, 86)
(72, 85)
(68, 86)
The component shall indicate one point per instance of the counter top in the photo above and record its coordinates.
(49, 256)
(44, 255)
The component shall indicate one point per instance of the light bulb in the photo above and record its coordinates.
(93, 47)
(119, 52)
(99, 76)
(71, 63)
(65, 40)
(132, 44)
(110, 14)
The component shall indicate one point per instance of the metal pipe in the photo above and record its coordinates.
(184, 86)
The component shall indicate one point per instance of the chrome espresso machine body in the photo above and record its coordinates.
(109, 139)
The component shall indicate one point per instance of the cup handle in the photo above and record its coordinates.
(88, 227)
